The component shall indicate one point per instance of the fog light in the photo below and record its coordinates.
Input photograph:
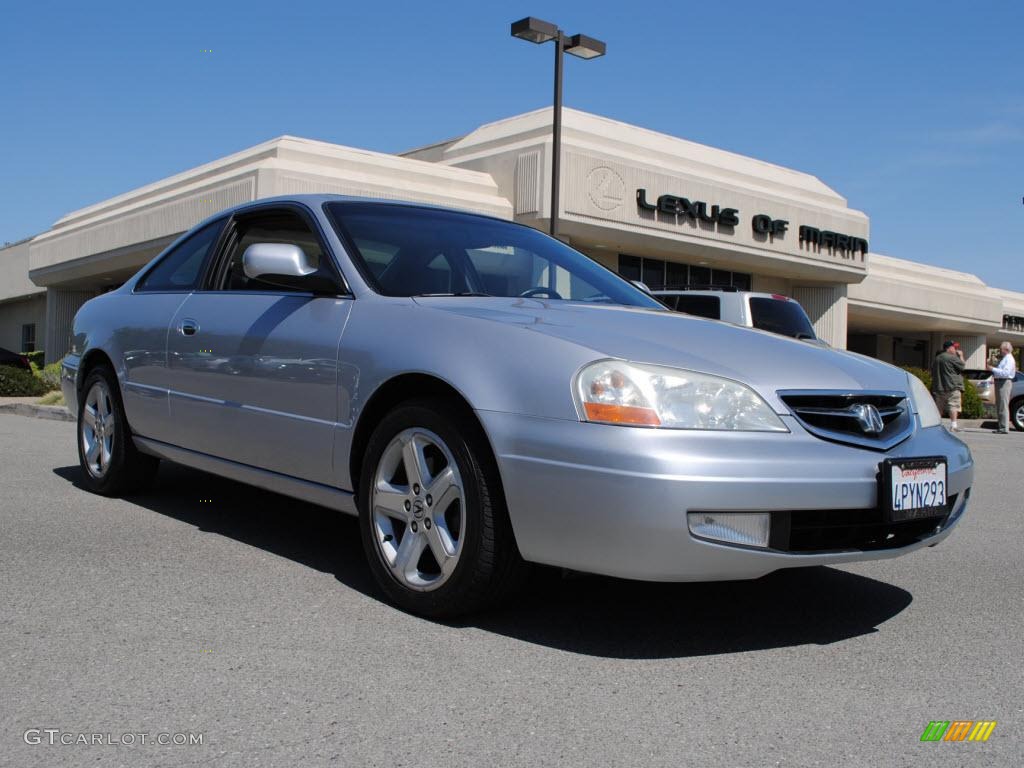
(747, 528)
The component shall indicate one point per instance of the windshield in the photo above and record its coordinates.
(780, 316)
(409, 251)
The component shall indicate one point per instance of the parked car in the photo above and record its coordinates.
(14, 359)
(771, 312)
(482, 396)
(984, 385)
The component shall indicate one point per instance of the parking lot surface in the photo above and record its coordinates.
(207, 607)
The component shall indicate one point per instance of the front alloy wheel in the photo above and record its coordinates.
(432, 511)
(418, 512)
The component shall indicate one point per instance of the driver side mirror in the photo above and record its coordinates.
(288, 266)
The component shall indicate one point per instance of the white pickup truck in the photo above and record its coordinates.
(768, 311)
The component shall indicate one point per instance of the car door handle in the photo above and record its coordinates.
(188, 327)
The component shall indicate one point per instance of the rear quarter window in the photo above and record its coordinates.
(780, 316)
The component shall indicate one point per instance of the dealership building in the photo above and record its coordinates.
(649, 206)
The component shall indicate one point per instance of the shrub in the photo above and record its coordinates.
(17, 382)
(50, 376)
(36, 358)
(922, 374)
(974, 408)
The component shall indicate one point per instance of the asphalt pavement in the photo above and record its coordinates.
(208, 610)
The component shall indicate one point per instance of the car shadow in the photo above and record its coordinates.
(590, 615)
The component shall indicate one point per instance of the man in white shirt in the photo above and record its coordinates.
(1003, 375)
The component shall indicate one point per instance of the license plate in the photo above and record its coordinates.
(914, 488)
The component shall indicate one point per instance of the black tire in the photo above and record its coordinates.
(126, 470)
(1017, 414)
(489, 566)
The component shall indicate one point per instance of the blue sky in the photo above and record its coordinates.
(912, 110)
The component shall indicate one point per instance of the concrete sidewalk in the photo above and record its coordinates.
(978, 425)
(28, 406)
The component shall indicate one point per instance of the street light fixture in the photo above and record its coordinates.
(537, 31)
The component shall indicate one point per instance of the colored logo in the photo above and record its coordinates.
(958, 730)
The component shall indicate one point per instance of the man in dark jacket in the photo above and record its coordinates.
(948, 381)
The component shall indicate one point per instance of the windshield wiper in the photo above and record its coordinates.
(459, 293)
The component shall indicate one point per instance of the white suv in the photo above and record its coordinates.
(768, 311)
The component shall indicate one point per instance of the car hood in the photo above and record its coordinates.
(765, 361)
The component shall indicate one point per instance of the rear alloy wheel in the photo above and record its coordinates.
(108, 457)
(433, 520)
(98, 429)
(1017, 414)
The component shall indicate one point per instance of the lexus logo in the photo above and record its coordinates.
(868, 417)
(606, 188)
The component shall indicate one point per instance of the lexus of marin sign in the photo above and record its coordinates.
(762, 224)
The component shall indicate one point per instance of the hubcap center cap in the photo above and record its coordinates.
(418, 507)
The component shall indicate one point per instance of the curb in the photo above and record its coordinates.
(53, 412)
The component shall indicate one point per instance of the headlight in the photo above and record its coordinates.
(924, 405)
(617, 392)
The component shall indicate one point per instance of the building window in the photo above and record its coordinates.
(654, 273)
(630, 267)
(1013, 323)
(658, 274)
(28, 337)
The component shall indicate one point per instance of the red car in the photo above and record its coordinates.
(13, 358)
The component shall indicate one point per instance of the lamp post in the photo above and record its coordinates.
(537, 31)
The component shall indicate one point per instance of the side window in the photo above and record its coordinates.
(702, 306)
(180, 269)
(281, 226)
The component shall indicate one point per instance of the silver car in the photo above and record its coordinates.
(484, 397)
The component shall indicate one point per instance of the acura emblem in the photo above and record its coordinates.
(868, 417)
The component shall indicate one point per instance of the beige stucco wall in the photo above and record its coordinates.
(121, 234)
(21, 301)
(825, 305)
(14, 281)
(921, 297)
(605, 162)
(503, 169)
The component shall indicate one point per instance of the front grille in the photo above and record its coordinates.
(832, 530)
(841, 416)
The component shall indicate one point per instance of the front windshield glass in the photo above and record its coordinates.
(409, 251)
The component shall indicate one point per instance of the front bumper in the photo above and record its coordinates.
(613, 500)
